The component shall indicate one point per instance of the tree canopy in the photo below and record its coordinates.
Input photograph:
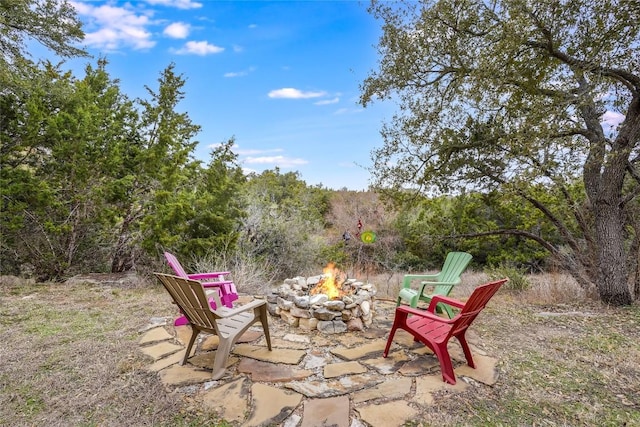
(52, 23)
(514, 95)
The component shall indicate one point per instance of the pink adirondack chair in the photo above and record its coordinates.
(226, 289)
(435, 331)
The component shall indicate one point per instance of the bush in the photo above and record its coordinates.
(518, 280)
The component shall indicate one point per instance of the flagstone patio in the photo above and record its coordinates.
(312, 379)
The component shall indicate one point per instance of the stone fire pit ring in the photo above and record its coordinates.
(294, 302)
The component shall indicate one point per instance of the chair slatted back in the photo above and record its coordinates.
(474, 305)
(175, 265)
(454, 265)
(189, 295)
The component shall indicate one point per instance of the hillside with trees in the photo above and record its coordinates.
(511, 164)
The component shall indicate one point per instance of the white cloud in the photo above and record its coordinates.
(201, 48)
(239, 73)
(264, 158)
(116, 27)
(180, 4)
(612, 119)
(281, 161)
(177, 30)
(253, 152)
(328, 101)
(340, 111)
(291, 93)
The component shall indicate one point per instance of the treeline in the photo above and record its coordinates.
(93, 181)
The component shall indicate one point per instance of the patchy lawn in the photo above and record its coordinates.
(69, 356)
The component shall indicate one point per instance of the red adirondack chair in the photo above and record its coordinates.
(226, 289)
(435, 331)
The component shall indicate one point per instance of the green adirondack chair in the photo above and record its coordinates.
(442, 283)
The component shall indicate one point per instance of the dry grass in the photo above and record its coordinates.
(70, 358)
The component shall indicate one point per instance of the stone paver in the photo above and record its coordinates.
(485, 370)
(344, 368)
(428, 384)
(388, 365)
(231, 400)
(271, 405)
(183, 334)
(395, 388)
(167, 361)
(160, 350)
(276, 355)
(390, 414)
(271, 372)
(177, 375)
(155, 335)
(359, 352)
(333, 411)
(205, 360)
(211, 342)
(419, 366)
(311, 378)
(344, 385)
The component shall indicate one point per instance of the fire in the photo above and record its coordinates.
(331, 283)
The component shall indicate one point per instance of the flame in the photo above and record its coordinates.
(331, 283)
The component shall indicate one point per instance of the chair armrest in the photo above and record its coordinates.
(423, 313)
(446, 300)
(216, 284)
(202, 276)
(406, 281)
(427, 283)
(229, 312)
(437, 282)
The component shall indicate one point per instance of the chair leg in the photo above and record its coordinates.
(389, 340)
(399, 319)
(414, 301)
(409, 295)
(194, 334)
(222, 355)
(442, 353)
(265, 325)
(444, 308)
(467, 351)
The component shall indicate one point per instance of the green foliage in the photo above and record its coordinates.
(52, 170)
(51, 23)
(336, 254)
(518, 279)
(507, 96)
(283, 223)
(89, 181)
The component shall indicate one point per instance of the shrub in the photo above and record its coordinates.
(518, 280)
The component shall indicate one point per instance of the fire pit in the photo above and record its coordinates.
(330, 303)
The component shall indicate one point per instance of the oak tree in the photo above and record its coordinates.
(514, 95)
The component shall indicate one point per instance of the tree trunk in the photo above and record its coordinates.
(634, 253)
(612, 277)
(122, 259)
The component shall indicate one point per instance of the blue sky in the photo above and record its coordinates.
(281, 77)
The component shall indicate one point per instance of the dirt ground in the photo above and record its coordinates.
(69, 357)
